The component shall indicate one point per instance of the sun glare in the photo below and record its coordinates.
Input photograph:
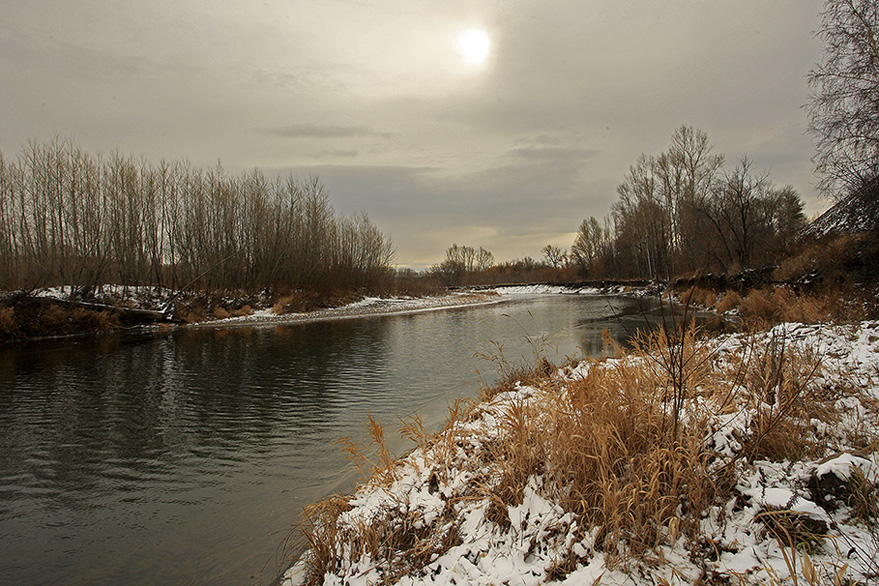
(473, 46)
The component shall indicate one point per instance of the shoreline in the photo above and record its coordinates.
(366, 307)
(134, 309)
(265, 317)
(369, 307)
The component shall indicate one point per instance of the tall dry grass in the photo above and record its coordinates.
(624, 446)
(700, 296)
(778, 304)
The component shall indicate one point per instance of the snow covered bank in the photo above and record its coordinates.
(771, 472)
(228, 310)
(373, 306)
(512, 290)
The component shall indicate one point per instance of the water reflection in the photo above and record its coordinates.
(183, 457)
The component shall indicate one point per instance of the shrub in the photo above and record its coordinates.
(296, 302)
(757, 306)
(242, 311)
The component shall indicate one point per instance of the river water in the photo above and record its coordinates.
(185, 457)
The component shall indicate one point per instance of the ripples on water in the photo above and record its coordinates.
(184, 458)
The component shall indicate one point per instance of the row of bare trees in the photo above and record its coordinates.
(681, 211)
(462, 265)
(69, 217)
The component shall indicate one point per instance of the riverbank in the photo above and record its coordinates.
(742, 459)
(57, 311)
(368, 306)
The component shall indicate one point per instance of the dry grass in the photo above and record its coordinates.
(300, 301)
(807, 572)
(399, 543)
(831, 261)
(363, 457)
(756, 305)
(242, 311)
(700, 296)
(863, 498)
(40, 317)
(623, 448)
(777, 304)
(775, 380)
(61, 320)
(729, 300)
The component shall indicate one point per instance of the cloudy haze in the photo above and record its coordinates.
(375, 97)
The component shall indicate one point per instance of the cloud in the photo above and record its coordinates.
(307, 130)
(339, 154)
(534, 153)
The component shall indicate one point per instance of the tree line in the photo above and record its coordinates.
(466, 265)
(681, 211)
(73, 218)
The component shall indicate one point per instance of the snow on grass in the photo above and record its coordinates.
(438, 516)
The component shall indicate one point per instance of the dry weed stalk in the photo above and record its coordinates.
(812, 574)
(777, 380)
(381, 464)
(678, 364)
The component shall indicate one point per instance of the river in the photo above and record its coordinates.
(186, 457)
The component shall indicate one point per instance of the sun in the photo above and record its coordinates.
(473, 46)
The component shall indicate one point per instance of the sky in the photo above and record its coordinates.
(437, 146)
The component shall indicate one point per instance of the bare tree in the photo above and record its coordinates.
(844, 102)
(677, 213)
(554, 255)
(588, 247)
(753, 222)
(686, 173)
(642, 221)
(461, 264)
(483, 260)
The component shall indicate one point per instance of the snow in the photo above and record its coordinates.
(374, 306)
(542, 289)
(147, 297)
(512, 290)
(844, 464)
(540, 532)
(157, 297)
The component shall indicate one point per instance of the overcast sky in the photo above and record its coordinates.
(377, 99)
